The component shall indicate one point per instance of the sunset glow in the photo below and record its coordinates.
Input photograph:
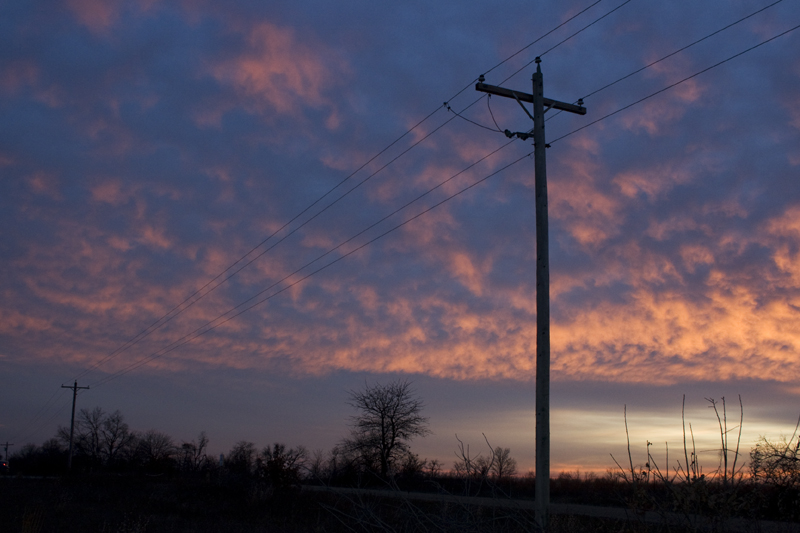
(147, 146)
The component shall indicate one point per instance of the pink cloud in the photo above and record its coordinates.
(652, 181)
(591, 214)
(44, 183)
(100, 16)
(97, 15)
(18, 75)
(110, 192)
(277, 72)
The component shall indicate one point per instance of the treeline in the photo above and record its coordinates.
(377, 453)
(104, 442)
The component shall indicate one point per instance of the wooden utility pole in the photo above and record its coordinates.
(542, 494)
(74, 388)
(5, 447)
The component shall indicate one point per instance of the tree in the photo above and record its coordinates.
(241, 457)
(156, 450)
(503, 466)
(87, 441)
(776, 464)
(388, 419)
(281, 467)
(193, 454)
(116, 437)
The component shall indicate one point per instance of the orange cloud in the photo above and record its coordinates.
(652, 181)
(590, 213)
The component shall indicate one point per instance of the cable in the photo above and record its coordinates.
(526, 65)
(543, 36)
(671, 54)
(553, 48)
(41, 426)
(488, 105)
(682, 49)
(194, 298)
(181, 307)
(459, 115)
(211, 324)
(164, 320)
(676, 83)
(38, 414)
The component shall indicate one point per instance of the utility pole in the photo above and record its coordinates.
(74, 388)
(542, 494)
(5, 447)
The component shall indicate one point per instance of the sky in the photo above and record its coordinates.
(378, 224)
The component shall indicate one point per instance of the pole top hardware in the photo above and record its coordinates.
(537, 60)
(519, 134)
(481, 78)
(525, 97)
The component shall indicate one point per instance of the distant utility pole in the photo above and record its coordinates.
(74, 388)
(542, 495)
(5, 447)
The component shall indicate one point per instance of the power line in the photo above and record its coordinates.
(35, 418)
(673, 53)
(459, 115)
(25, 436)
(682, 49)
(670, 86)
(210, 325)
(579, 13)
(199, 294)
(194, 298)
(529, 63)
(164, 320)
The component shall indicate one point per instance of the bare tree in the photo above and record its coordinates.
(88, 435)
(194, 458)
(116, 437)
(503, 466)
(156, 449)
(389, 417)
(240, 460)
(281, 467)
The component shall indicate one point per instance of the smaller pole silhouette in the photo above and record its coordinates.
(74, 388)
(5, 447)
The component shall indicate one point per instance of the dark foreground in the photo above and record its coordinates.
(154, 504)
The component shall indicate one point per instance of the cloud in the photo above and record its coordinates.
(275, 72)
(147, 146)
(97, 15)
(18, 75)
(100, 16)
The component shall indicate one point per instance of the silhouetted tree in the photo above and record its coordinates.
(116, 439)
(156, 451)
(48, 459)
(503, 465)
(281, 467)
(316, 467)
(87, 439)
(776, 464)
(240, 460)
(389, 417)
(193, 454)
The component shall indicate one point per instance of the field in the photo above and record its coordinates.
(141, 503)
